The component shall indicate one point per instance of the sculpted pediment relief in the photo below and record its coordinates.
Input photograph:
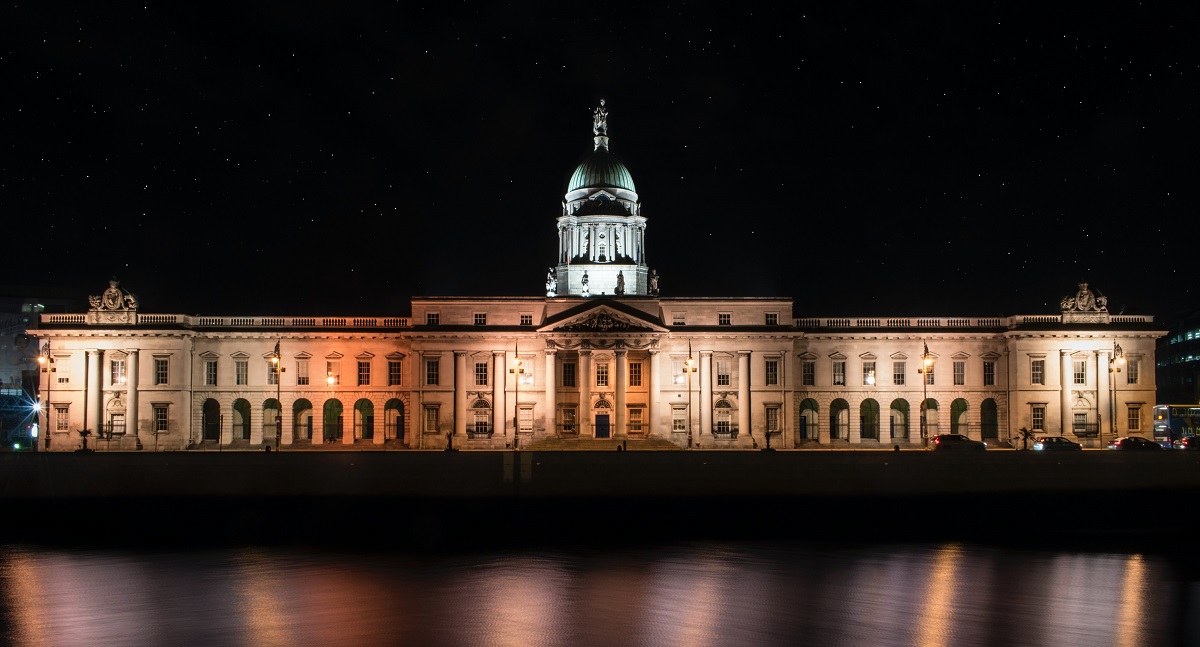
(602, 319)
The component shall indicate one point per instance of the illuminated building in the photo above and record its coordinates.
(602, 357)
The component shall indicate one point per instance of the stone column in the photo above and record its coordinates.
(744, 394)
(705, 393)
(652, 405)
(131, 403)
(460, 394)
(1064, 390)
(621, 414)
(584, 418)
(551, 404)
(498, 408)
(95, 403)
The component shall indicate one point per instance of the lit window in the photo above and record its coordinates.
(839, 373)
(929, 375)
(568, 419)
(272, 373)
(868, 373)
(302, 372)
(1080, 371)
(601, 373)
(117, 372)
(526, 419)
(678, 419)
(333, 372)
(61, 419)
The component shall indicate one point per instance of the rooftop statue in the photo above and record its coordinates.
(600, 120)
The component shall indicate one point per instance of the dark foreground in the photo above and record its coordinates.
(443, 499)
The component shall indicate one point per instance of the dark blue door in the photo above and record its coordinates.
(602, 425)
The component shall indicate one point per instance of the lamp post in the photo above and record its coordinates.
(1115, 364)
(689, 367)
(277, 368)
(45, 364)
(925, 371)
(517, 369)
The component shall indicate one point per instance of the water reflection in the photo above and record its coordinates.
(692, 595)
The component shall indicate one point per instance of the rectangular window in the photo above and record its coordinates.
(431, 419)
(117, 373)
(568, 372)
(929, 374)
(62, 421)
(272, 373)
(431, 372)
(1135, 418)
(526, 320)
(678, 318)
(364, 373)
(868, 373)
(302, 372)
(480, 318)
(898, 373)
(722, 372)
(526, 419)
(678, 419)
(160, 418)
(772, 420)
(635, 374)
(481, 423)
(1039, 418)
(989, 374)
(210, 372)
(62, 369)
(432, 319)
(724, 319)
(1131, 374)
(808, 373)
(394, 373)
(601, 373)
(241, 369)
(772, 371)
(1037, 371)
(635, 420)
(1080, 371)
(960, 373)
(839, 373)
(481, 373)
(333, 372)
(772, 319)
(568, 419)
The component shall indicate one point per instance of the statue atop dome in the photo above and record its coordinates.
(600, 120)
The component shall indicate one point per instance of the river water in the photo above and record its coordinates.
(685, 594)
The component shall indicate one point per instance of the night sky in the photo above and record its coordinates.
(874, 160)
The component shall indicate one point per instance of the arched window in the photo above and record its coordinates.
(809, 422)
(393, 420)
(868, 416)
(899, 419)
(839, 419)
(332, 421)
(958, 417)
(211, 413)
(302, 419)
(241, 419)
(364, 420)
(481, 419)
(723, 420)
(271, 409)
(989, 420)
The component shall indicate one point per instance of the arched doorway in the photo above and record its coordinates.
(868, 417)
(958, 417)
(989, 420)
(211, 420)
(602, 417)
(241, 419)
(271, 413)
(332, 421)
(839, 420)
(723, 420)
(302, 419)
(809, 426)
(393, 420)
(929, 417)
(899, 419)
(364, 420)
(479, 424)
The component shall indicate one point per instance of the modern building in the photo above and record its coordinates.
(601, 358)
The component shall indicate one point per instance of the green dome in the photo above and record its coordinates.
(599, 170)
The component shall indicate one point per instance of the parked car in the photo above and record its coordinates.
(956, 442)
(1056, 443)
(1188, 442)
(1133, 443)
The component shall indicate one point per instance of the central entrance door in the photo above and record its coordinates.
(602, 425)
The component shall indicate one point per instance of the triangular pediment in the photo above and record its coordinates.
(602, 317)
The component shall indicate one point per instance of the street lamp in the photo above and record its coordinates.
(689, 367)
(517, 370)
(277, 369)
(925, 372)
(45, 364)
(1115, 364)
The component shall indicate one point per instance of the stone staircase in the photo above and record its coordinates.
(599, 445)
